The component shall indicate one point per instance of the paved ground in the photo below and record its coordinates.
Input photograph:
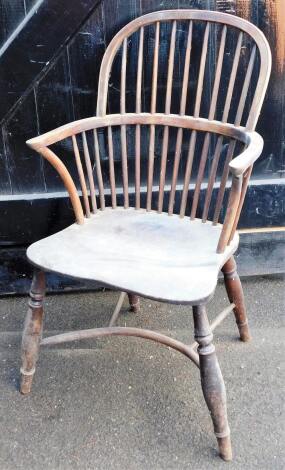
(121, 403)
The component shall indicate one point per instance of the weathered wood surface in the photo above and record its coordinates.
(58, 214)
(137, 251)
(235, 294)
(32, 331)
(238, 166)
(212, 381)
(188, 351)
(259, 253)
(67, 89)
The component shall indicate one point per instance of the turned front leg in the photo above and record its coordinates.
(32, 331)
(134, 302)
(235, 295)
(212, 381)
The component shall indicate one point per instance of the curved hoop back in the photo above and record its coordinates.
(123, 36)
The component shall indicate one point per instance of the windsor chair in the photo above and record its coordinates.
(169, 240)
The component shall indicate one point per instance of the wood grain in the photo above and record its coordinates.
(238, 166)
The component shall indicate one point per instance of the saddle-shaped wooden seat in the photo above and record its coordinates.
(137, 251)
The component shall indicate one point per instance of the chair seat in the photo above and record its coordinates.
(155, 255)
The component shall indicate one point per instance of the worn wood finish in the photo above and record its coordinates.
(237, 166)
(81, 176)
(134, 302)
(245, 181)
(117, 310)
(212, 381)
(158, 119)
(260, 252)
(192, 143)
(167, 111)
(219, 319)
(138, 129)
(32, 331)
(123, 127)
(179, 15)
(89, 173)
(68, 182)
(99, 171)
(231, 147)
(231, 213)
(63, 93)
(265, 59)
(152, 127)
(235, 294)
(111, 168)
(143, 251)
(183, 99)
(124, 331)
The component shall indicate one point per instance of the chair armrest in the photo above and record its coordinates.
(64, 174)
(242, 162)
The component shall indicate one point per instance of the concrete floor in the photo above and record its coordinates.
(127, 404)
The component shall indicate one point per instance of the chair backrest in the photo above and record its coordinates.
(157, 70)
(165, 62)
(169, 42)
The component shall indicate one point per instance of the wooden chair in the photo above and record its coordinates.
(161, 243)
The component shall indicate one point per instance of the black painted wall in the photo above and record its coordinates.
(48, 76)
(12, 13)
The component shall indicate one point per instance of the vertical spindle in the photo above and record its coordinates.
(89, 173)
(193, 137)
(138, 127)
(219, 143)
(212, 111)
(232, 144)
(111, 168)
(98, 170)
(152, 126)
(123, 127)
(81, 176)
(179, 138)
(167, 111)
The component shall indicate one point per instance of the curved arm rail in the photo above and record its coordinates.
(251, 138)
(242, 162)
(238, 166)
(67, 181)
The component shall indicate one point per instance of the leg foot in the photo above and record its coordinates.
(32, 332)
(235, 295)
(212, 381)
(26, 382)
(225, 448)
(134, 301)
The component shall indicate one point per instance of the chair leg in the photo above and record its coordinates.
(235, 294)
(32, 331)
(134, 302)
(212, 381)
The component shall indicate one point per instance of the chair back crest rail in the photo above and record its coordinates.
(180, 147)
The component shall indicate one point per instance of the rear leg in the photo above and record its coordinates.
(235, 295)
(134, 302)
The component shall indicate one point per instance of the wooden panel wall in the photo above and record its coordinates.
(12, 12)
(64, 88)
